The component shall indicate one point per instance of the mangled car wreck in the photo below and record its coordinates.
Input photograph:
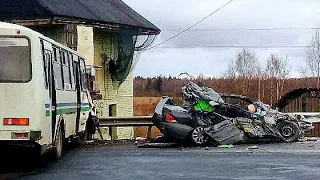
(205, 117)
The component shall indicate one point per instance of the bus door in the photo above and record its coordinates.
(76, 67)
(50, 101)
(82, 97)
(55, 76)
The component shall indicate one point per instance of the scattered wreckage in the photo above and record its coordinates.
(205, 117)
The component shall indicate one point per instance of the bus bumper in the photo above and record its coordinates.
(20, 143)
(19, 135)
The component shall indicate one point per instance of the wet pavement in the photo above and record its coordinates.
(299, 160)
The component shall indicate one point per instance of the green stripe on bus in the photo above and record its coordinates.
(85, 109)
(67, 111)
(47, 112)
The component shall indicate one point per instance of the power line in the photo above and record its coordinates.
(234, 46)
(247, 29)
(178, 34)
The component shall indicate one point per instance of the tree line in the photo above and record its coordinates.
(245, 75)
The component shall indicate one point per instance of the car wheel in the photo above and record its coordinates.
(289, 131)
(198, 136)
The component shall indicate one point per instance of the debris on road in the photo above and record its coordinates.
(159, 145)
(311, 145)
(228, 146)
(252, 147)
(312, 139)
(141, 139)
(90, 142)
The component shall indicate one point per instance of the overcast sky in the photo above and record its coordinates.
(172, 16)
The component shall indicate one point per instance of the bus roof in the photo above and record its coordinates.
(4, 25)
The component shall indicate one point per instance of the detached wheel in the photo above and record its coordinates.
(58, 145)
(289, 131)
(198, 137)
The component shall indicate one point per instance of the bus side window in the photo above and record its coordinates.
(57, 68)
(47, 58)
(62, 57)
(83, 79)
(73, 86)
(76, 71)
(66, 71)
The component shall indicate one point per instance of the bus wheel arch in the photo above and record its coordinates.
(59, 139)
(60, 127)
(85, 135)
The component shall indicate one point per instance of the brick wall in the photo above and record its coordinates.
(122, 96)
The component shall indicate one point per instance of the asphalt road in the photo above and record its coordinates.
(270, 161)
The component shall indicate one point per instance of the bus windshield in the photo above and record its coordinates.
(15, 60)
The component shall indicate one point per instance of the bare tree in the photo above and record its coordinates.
(261, 79)
(277, 70)
(313, 59)
(230, 72)
(245, 67)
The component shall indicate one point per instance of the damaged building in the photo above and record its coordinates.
(108, 33)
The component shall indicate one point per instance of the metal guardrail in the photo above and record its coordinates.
(127, 122)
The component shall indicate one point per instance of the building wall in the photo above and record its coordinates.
(122, 97)
(310, 105)
(85, 45)
(57, 32)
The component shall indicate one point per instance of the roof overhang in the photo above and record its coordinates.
(85, 22)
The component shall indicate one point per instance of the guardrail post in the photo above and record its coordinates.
(149, 132)
(111, 132)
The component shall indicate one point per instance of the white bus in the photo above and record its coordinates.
(43, 94)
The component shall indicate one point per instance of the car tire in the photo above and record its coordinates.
(289, 131)
(198, 136)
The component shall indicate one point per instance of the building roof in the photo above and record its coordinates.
(107, 13)
(288, 97)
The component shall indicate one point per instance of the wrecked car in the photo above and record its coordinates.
(206, 117)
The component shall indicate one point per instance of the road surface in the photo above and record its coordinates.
(299, 160)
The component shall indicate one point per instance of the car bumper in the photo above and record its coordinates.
(175, 130)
